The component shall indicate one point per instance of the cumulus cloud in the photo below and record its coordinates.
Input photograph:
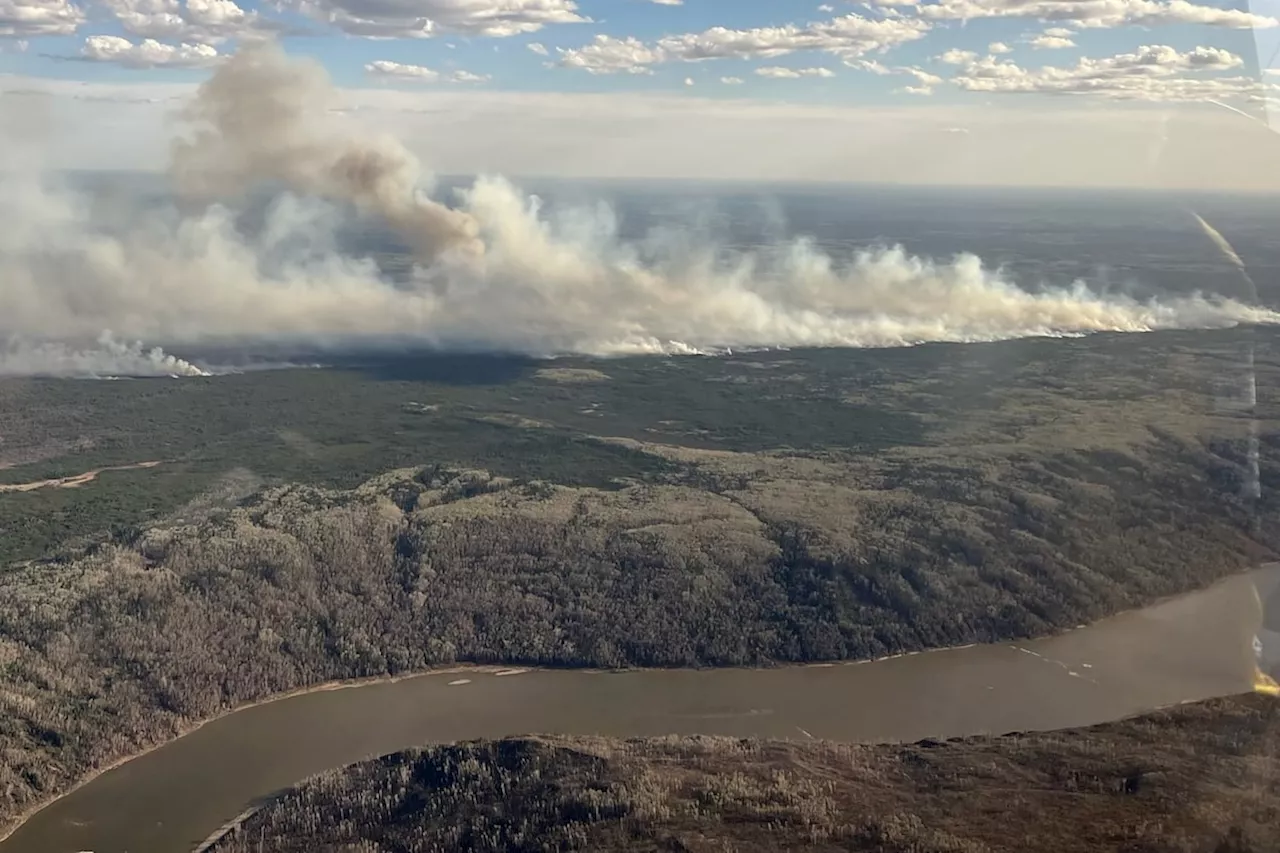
(956, 56)
(780, 73)
(546, 282)
(399, 71)
(997, 48)
(872, 65)
(1043, 42)
(925, 80)
(848, 37)
(609, 55)
(385, 68)
(1152, 72)
(1085, 13)
(148, 53)
(732, 81)
(538, 48)
(201, 21)
(427, 18)
(39, 18)
(1047, 41)
(851, 35)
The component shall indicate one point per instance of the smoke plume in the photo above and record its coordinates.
(492, 271)
(109, 358)
(262, 117)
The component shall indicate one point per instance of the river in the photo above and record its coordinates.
(1188, 648)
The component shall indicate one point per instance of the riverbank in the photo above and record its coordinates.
(17, 823)
(1186, 648)
(1197, 777)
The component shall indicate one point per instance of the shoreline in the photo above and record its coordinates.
(26, 815)
(327, 687)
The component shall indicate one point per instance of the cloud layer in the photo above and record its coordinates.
(847, 37)
(1084, 13)
(147, 54)
(39, 18)
(427, 18)
(1151, 73)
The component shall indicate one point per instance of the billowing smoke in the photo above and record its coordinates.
(262, 117)
(494, 271)
(108, 358)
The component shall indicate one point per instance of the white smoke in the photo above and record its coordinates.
(264, 118)
(493, 272)
(109, 358)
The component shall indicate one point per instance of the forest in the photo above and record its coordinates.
(1202, 777)
(812, 507)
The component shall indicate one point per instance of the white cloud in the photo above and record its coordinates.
(39, 17)
(147, 54)
(779, 73)
(1060, 32)
(609, 55)
(688, 81)
(871, 65)
(1044, 41)
(955, 56)
(387, 68)
(1085, 13)
(668, 2)
(849, 36)
(1151, 73)
(731, 81)
(397, 70)
(998, 47)
(205, 21)
(826, 7)
(426, 18)
(537, 47)
(925, 80)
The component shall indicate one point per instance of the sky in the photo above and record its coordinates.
(1011, 92)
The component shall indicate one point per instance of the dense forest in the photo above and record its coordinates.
(748, 510)
(1203, 777)
(125, 645)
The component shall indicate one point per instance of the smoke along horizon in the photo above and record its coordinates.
(493, 271)
(107, 358)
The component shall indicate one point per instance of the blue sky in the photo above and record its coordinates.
(1040, 90)
(507, 63)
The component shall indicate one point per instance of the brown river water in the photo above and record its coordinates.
(1188, 648)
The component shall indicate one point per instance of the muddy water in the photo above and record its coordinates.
(1189, 648)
